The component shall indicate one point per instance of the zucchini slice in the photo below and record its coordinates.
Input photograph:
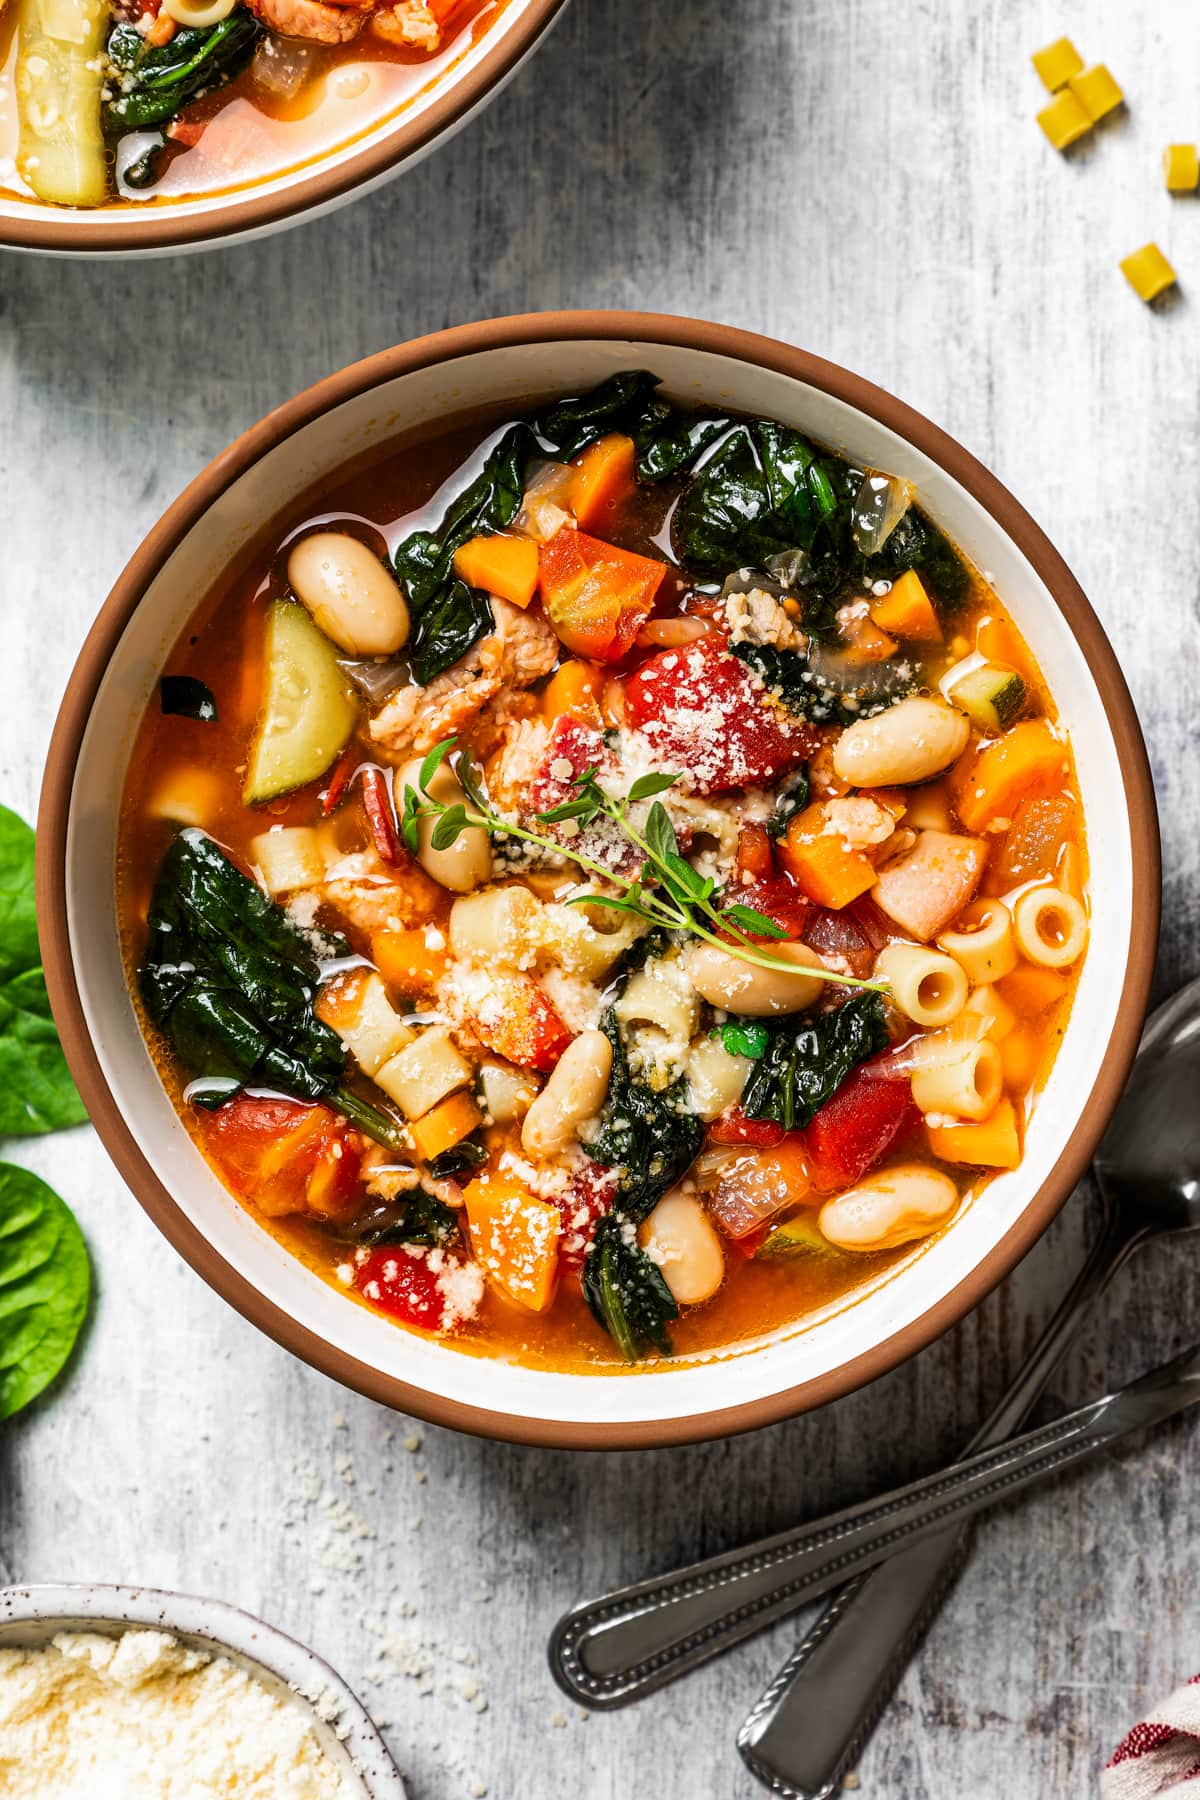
(991, 696)
(308, 709)
(797, 1236)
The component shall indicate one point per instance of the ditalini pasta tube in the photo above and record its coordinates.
(61, 150)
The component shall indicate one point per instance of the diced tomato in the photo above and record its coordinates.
(750, 1245)
(574, 748)
(754, 857)
(733, 1127)
(398, 1280)
(516, 1019)
(839, 934)
(779, 900)
(707, 716)
(583, 1204)
(285, 1156)
(596, 596)
(861, 1123)
(380, 817)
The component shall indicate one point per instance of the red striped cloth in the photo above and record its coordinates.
(1162, 1754)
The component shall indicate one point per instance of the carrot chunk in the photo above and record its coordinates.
(1028, 762)
(820, 863)
(603, 477)
(501, 565)
(906, 611)
(574, 687)
(444, 1125)
(596, 596)
(1030, 990)
(406, 960)
(992, 1144)
(514, 1237)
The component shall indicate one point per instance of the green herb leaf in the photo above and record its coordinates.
(433, 762)
(749, 920)
(646, 786)
(746, 1037)
(45, 1280)
(807, 1059)
(584, 810)
(37, 1093)
(449, 825)
(410, 815)
(660, 833)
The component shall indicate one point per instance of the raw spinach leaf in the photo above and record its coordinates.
(627, 1293)
(185, 697)
(152, 84)
(650, 1138)
(18, 913)
(617, 404)
(448, 615)
(231, 981)
(37, 1093)
(807, 1060)
(45, 1280)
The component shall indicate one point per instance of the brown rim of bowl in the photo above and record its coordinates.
(109, 231)
(447, 347)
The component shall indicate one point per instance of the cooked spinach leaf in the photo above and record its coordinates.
(668, 441)
(649, 1138)
(45, 1280)
(156, 83)
(36, 1090)
(627, 1293)
(187, 698)
(769, 492)
(814, 687)
(231, 981)
(617, 404)
(416, 1218)
(448, 615)
(807, 1060)
(37, 1093)
(456, 1161)
(790, 800)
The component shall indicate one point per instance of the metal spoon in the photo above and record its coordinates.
(612, 1650)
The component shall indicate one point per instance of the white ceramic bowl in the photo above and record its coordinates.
(31, 1616)
(517, 362)
(327, 166)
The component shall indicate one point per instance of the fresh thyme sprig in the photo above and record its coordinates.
(666, 892)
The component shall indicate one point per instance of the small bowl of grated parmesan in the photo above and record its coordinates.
(161, 1696)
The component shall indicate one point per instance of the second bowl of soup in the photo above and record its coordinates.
(606, 880)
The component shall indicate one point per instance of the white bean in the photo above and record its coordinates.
(890, 1208)
(573, 1095)
(729, 981)
(680, 1238)
(912, 741)
(467, 862)
(349, 593)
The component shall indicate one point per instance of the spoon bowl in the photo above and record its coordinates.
(1146, 1164)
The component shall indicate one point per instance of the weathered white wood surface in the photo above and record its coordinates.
(866, 179)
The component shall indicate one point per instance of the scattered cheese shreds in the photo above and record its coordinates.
(1057, 63)
(1065, 120)
(1181, 168)
(1148, 272)
(1096, 91)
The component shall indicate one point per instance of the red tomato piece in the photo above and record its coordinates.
(583, 1205)
(515, 1019)
(755, 859)
(779, 900)
(707, 716)
(398, 1280)
(596, 596)
(860, 1124)
(733, 1127)
(284, 1155)
(839, 934)
(574, 748)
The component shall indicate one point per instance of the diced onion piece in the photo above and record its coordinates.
(879, 506)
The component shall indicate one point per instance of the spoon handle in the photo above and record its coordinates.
(608, 1652)
(809, 1725)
